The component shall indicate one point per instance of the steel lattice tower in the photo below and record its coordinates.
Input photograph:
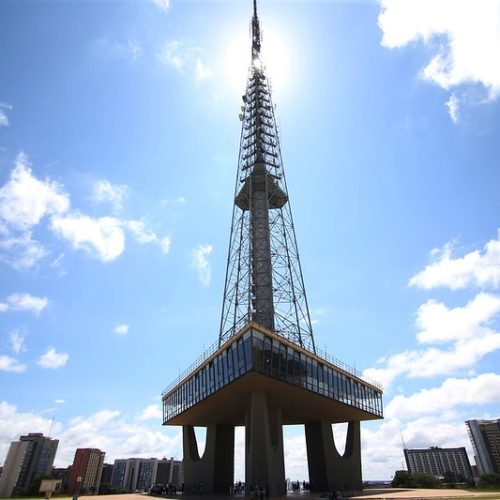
(264, 281)
(265, 372)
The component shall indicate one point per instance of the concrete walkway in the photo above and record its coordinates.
(368, 494)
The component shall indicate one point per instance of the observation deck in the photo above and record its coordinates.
(302, 384)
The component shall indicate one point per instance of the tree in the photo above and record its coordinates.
(403, 479)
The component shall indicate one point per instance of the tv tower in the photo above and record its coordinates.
(265, 371)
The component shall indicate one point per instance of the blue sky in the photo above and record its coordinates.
(119, 138)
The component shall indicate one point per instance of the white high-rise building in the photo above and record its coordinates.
(134, 474)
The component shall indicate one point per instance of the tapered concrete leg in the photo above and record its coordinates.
(214, 472)
(328, 470)
(265, 463)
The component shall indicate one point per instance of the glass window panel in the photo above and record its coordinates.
(267, 355)
(258, 352)
(248, 351)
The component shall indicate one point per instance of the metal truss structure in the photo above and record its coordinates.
(264, 280)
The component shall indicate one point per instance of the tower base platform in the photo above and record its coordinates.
(262, 381)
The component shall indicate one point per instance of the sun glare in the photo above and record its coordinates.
(275, 57)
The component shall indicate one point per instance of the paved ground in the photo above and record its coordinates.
(369, 494)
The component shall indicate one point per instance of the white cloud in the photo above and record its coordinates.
(474, 268)
(102, 237)
(53, 359)
(59, 401)
(165, 244)
(141, 233)
(21, 251)
(107, 429)
(466, 331)
(483, 389)
(24, 302)
(452, 105)
(438, 323)
(16, 338)
(16, 423)
(163, 4)
(25, 200)
(121, 329)
(8, 364)
(104, 191)
(202, 72)
(185, 59)
(4, 119)
(200, 263)
(464, 37)
(151, 412)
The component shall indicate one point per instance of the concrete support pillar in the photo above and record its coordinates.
(328, 470)
(265, 462)
(214, 472)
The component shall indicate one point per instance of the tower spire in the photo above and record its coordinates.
(263, 277)
(256, 40)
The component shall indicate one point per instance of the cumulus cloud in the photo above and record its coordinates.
(103, 236)
(24, 302)
(9, 364)
(483, 389)
(465, 330)
(104, 191)
(185, 59)
(200, 263)
(464, 38)
(438, 323)
(16, 423)
(24, 202)
(53, 359)
(121, 329)
(4, 120)
(120, 436)
(151, 412)
(477, 268)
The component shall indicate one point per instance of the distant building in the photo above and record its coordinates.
(134, 474)
(27, 460)
(485, 437)
(169, 471)
(86, 471)
(440, 462)
(107, 475)
(62, 473)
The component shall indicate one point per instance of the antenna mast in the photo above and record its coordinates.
(256, 39)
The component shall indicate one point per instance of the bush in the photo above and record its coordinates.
(403, 479)
(490, 480)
